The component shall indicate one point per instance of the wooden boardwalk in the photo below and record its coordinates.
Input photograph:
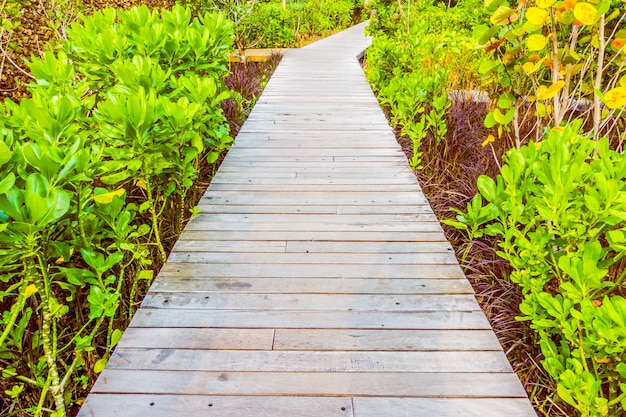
(316, 281)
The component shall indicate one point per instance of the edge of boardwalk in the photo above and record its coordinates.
(316, 281)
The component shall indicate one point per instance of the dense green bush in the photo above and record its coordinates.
(413, 64)
(267, 24)
(557, 211)
(107, 147)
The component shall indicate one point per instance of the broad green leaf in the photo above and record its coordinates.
(7, 183)
(5, 153)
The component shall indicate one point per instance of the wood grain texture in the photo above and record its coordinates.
(316, 280)
(334, 384)
(156, 405)
(442, 407)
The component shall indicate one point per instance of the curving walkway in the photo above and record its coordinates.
(316, 281)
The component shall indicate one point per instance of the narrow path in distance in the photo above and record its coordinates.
(316, 282)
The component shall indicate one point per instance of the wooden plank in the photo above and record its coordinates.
(303, 259)
(310, 246)
(385, 340)
(442, 407)
(311, 209)
(366, 247)
(355, 226)
(308, 361)
(308, 302)
(286, 285)
(292, 319)
(156, 405)
(437, 385)
(315, 198)
(241, 246)
(313, 185)
(216, 339)
(313, 218)
(246, 270)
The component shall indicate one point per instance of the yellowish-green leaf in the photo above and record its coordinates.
(503, 16)
(536, 16)
(615, 98)
(536, 42)
(585, 13)
(546, 93)
(107, 198)
(115, 337)
(100, 365)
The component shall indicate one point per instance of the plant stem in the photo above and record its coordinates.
(46, 328)
(597, 111)
(556, 63)
(155, 221)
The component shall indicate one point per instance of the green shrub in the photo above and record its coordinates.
(557, 210)
(122, 113)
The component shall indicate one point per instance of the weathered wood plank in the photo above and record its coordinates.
(442, 407)
(207, 338)
(304, 258)
(292, 319)
(157, 405)
(240, 246)
(310, 246)
(437, 385)
(308, 361)
(367, 247)
(328, 271)
(184, 282)
(315, 198)
(355, 226)
(321, 302)
(385, 340)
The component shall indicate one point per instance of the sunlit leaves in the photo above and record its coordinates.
(585, 13)
(536, 42)
(536, 16)
(545, 93)
(503, 16)
(615, 98)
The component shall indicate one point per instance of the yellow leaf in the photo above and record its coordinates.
(558, 128)
(585, 13)
(503, 16)
(60, 260)
(536, 42)
(536, 16)
(141, 183)
(615, 98)
(490, 139)
(545, 93)
(544, 4)
(531, 67)
(602, 360)
(107, 198)
(30, 290)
